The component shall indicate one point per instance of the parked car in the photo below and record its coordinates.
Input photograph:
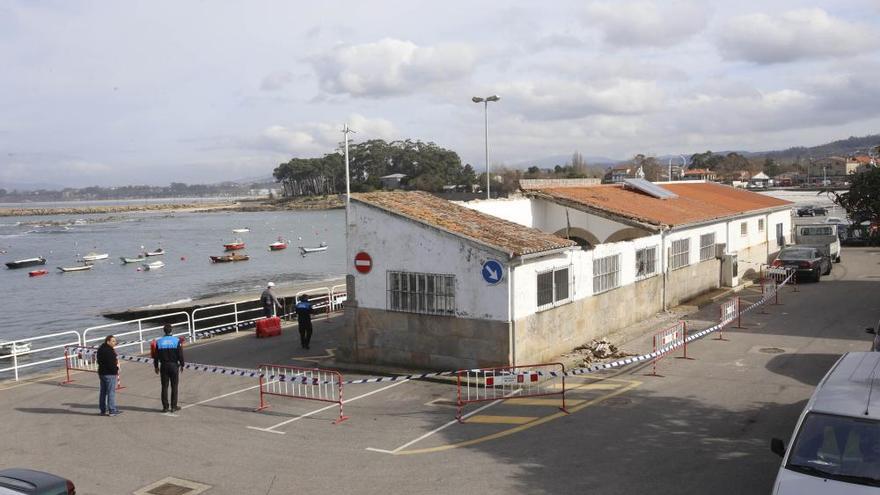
(809, 262)
(31, 482)
(806, 211)
(836, 442)
(875, 330)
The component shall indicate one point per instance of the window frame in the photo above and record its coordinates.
(555, 299)
(652, 262)
(744, 228)
(761, 225)
(682, 257)
(420, 293)
(608, 278)
(707, 251)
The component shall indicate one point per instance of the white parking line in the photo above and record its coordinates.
(272, 428)
(219, 397)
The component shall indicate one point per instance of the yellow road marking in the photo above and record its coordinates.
(631, 385)
(528, 401)
(501, 420)
(584, 386)
(331, 353)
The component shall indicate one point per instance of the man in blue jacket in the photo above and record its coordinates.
(304, 312)
(169, 364)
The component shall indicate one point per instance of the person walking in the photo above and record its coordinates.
(168, 365)
(304, 310)
(269, 301)
(108, 373)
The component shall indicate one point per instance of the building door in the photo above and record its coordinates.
(780, 238)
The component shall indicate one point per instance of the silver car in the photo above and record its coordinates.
(875, 330)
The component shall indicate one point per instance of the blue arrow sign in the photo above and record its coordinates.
(493, 272)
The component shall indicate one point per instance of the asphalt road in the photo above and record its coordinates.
(703, 426)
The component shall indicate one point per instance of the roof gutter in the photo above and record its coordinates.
(728, 218)
(541, 254)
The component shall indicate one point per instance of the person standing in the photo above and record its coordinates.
(168, 365)
(304, 310)
(108, 373)
(269, 301)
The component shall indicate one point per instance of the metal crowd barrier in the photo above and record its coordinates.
(83, 358)
(506, 382)
(301, 383)
(667, 340)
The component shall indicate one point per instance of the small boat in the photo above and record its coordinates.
(95, 256)
(157, 252)
(80, 268)
(240, 231)
(125, 260)
(37, 273)
(8, 348)
(228, 258)
(155, 265)
(306, 250)
(278, 245)
(26, 262)
(234, 246)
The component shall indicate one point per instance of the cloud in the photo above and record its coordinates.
(646, 23)
(318, 138)
(391, 67)
(561, 99)
(276, 81)
(793, 35)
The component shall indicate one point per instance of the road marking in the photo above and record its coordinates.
(584, 386)
(527, 401)
(272, 428)
(631, 384)
(219, 397)
(487, 419)
(331, 353)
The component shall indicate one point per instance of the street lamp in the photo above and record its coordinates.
(485, 101)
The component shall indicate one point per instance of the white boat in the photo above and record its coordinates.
(124, 260)
(80, 268)
(155, 265)
(306, 250)
(157, 252)
(12, 348)
(240, 231)
(95, 256)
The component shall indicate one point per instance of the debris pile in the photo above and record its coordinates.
(596, 350)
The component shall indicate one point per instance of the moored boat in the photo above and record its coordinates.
(240, 231)
(278, 245)
(80, 268)
(154, 265)
(306, 250)
(157, 252)
(95, 256)
(7, 348)
(234, 246)
(26, 262)
(124, 260)
(37, 273)
(228, 258)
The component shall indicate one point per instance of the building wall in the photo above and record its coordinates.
(398, 244)
(516, 210)
(551, 217)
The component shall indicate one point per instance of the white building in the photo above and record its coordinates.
(575, 263)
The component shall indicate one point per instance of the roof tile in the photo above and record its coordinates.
(502, 235)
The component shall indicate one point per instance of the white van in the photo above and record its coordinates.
(836, 446)
(822, 236)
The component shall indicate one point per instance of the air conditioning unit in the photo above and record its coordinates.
(729, 270)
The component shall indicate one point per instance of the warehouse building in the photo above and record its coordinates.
(440, 285)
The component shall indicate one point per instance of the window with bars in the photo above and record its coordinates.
(707, 246)
(760, 225)
(426, 293)
(743, 229)
(646, 262)
(606, 273)
(680, 254)
(553, 286)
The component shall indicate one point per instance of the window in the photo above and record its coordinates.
(606, 273)
(680, 254)
(743, 229)
(760, 225)
(646, 262)
(425, 293)
(553, 287)
(707, 246)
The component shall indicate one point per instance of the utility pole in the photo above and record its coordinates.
(346, 131)
(485, 101)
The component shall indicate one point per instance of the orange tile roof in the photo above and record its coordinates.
(698, 171)
(696, 202)
(501, 235)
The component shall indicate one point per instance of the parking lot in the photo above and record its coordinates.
(703, 426)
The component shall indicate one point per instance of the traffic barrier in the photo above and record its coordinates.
(301, 383)
(81, 358)
(667, 340)
(729, 313)
(505, 382)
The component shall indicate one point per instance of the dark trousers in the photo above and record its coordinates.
(268, 311)
(305, 333)
(169, 373)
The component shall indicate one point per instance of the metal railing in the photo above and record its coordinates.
(52, 342)
(222, 320)
(147, 328)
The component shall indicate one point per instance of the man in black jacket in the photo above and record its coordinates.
(108, 373)
(169, 354)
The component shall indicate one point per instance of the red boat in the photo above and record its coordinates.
(37, 273)
(278, 245)
(234, 246)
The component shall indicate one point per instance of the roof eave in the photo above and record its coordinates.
(613, 216)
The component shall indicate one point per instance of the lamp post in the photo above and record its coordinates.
(485, 101)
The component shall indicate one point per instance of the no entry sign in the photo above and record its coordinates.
(363, 263)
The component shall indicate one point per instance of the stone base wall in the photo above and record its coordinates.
(751, 259)
(691, 281)
(374, 336)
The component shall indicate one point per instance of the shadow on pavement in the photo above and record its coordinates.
(805, 368)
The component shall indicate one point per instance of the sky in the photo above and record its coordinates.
(150, 92)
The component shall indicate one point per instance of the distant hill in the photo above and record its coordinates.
(552, 161)
(843, 147)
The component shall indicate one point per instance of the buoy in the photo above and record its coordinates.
(183, 258)
(138, 268)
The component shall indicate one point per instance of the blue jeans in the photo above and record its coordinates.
(107, 397)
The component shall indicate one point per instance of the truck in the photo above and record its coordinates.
(822, 236)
